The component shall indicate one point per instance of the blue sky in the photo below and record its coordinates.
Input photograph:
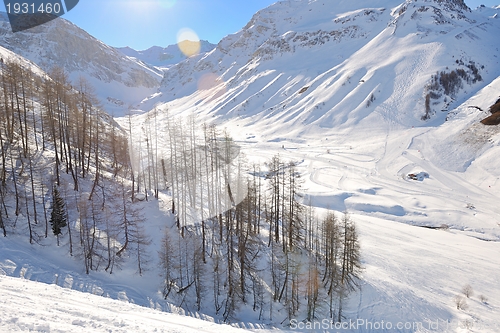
(144, 23)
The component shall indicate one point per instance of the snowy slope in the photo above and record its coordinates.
(340, 88)
(8, 55)
(336, 64)
(118, 80)
(28, 306)
(411, 277)
(333, 76)
(163, 56)
(298, 81)
(422, 240)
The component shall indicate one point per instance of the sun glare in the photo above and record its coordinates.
(188, 42)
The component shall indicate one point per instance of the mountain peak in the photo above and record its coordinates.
(458, 6)
(430, 17)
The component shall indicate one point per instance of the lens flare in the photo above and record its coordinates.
(208, 82)
(188, 42)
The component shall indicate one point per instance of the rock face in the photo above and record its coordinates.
(119, 81)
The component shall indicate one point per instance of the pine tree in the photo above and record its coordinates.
(58, 214)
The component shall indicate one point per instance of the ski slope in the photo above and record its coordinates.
(411, 273)
(28, 306)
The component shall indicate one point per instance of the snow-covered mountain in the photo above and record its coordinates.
(118, 80)
(363, 94)
(331, 64)
(163, 56)
(7, 55)
(360, 95)
(492, 12)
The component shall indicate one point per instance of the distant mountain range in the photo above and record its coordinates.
(163, 56)
(122, 77)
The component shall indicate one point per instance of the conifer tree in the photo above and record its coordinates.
(58, 214)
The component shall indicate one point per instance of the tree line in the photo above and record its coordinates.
(238, 235)
(64, 167)
(241, 235)
(269, 252)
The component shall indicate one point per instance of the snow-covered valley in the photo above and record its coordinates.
(411, 276)
(358, 97)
